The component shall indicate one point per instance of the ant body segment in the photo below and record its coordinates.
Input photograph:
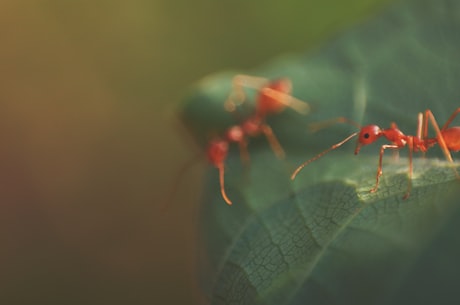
(448, 138)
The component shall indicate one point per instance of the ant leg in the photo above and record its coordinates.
(274, 143)
(314, 127)
(287, 100)
(452, 117)
(422, 130)
(221, 169)
(442, 143)
(237, 95)
(249, 81)
(424, 126)
(420, 127)
(244, 153)
(410, 144)
(395, 153)
(379, 168)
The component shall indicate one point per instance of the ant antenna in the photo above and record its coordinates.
(298, 169)
(314, 127)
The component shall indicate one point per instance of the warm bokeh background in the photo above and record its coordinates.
(88, 143)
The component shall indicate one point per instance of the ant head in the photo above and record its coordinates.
(217, 152)
(368, 134)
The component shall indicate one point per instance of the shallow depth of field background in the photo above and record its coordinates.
(89, 144)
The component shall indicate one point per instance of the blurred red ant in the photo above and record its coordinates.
(272, 97)
(447, 137)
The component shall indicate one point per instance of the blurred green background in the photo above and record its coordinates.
(90, 143)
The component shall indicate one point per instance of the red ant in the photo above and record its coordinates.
(447, 137)
(272, 97)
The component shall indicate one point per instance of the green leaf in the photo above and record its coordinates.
(324, 239)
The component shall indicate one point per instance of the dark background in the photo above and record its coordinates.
(89, 144)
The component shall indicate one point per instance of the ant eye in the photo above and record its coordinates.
(369, 134)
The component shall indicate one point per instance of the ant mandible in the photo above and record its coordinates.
(447, 137)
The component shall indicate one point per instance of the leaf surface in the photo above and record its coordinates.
(324, 239)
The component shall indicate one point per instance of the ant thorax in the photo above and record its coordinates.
(251, 126)
(395, 136)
